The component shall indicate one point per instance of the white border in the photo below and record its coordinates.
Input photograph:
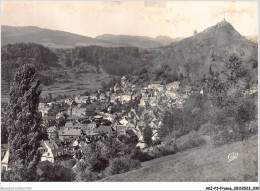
(130, 185)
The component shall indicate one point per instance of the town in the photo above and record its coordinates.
(114, 113)
(122, 113)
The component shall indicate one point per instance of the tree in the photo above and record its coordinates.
(67, 62)
(57, 173)
(24, 119)
(4, 132)
(172, 121)
(123, 164)
(147, 134)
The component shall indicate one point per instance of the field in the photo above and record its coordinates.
(76, 81)
(69, 82)
(202, 164)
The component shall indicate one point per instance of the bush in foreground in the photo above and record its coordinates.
(141, 156)
(123, 164)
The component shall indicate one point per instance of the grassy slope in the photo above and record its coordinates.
(199, 164)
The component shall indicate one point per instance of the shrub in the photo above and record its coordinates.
(89, 177)
(97, 164)
(221, 135)
(191, 144)
(68, 163)
(168, 150)
(141, 156)
(123, 164)
(57, 173)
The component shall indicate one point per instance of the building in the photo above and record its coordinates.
(5, 161)
(81, 99)
(125, 98)
(44, 108)
(123, 121)
(174, 85)
(78, 110)
(52, 132)
(102, 97)
(70, 134)
(52, 151)
(4, 148)
(155, 85)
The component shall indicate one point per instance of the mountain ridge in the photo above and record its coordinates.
(62, 39)
(139, 41)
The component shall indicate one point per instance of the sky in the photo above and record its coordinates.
(91, 18)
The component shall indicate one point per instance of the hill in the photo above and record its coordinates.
(61, 39)
(138, 41)
(211, 48)
(70, 71)
(47, 37)
(201, 164)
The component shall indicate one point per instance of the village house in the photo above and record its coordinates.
(70, 134)
(53, 151)
(81, 99)
(93, 98)
(120, 129)
(88, 128)
(44, 108)
(102, 97)
(103, 130)
(98, 118)
(143, 101)
(125, 98)
(5, 162)
(172, 94)
(77, 110)
(130, 125)
(155, 85)
(123, 121)
(61, 115)
(116, 88)
(253, 89)
(110, 117)
(174, 85)
(69, 101)
(186, 90)
(123, 80)
(4, 148)
(52, 132)
(141, 144)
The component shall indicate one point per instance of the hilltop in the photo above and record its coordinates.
(211, 48)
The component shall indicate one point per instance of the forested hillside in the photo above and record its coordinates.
(115, 61)
(52, 63)
(15, 55)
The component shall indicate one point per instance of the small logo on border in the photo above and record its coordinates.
(232, 156)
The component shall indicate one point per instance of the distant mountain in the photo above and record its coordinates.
(211, 48)
(46, 37)
(61, 39)
(138, 41)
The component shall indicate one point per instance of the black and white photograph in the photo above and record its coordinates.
(129, 92)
